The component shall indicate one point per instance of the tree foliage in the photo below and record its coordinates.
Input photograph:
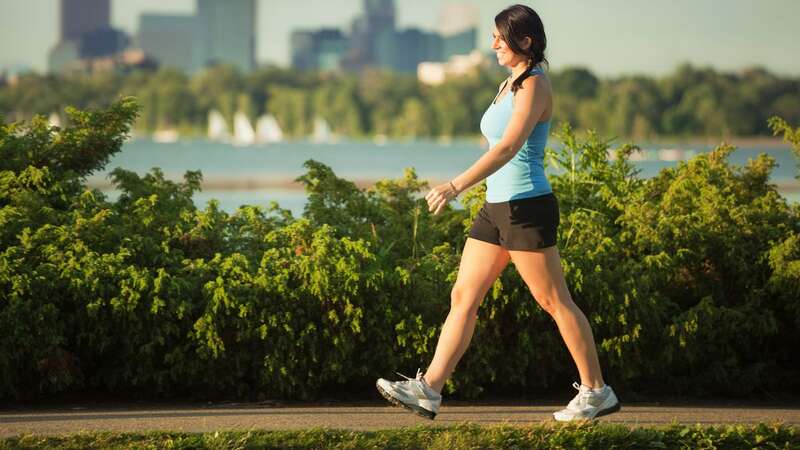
(691, 101)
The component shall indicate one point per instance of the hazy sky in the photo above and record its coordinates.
(610, 37)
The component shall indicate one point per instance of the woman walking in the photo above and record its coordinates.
(517, 223)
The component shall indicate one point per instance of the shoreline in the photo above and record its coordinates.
(255, 184)
(685, 142)
(769, 142)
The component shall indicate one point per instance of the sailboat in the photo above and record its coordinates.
(268, 130)
(217, 128)
(670, 154)
(322, 131)
(243, 133)
(166, 136)
(54, 119)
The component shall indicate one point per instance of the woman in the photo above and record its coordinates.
(517, 223)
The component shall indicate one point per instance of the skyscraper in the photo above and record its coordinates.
(459, 44)
(79, 17)
(318, 50)
(331, 46)
(225, 33)
(102, 42)
(404, 50)
(380, 15)
(375, 41)
(168, 39)
(86, 33)
(375, 26)
(303, 48)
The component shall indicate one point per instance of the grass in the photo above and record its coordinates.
(590, 435)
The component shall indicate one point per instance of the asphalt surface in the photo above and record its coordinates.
(65, 419)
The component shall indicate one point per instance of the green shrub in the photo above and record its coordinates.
(690, 280)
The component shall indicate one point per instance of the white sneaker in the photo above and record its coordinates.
(414, 394)
(589, 404)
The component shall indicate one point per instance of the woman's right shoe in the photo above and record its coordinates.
(413, 394)
(589, 404)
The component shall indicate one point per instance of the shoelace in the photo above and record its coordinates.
(409, 379)
(583, 396)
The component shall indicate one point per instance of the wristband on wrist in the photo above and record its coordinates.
(454, 187)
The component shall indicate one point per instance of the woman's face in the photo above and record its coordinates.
(505, 56)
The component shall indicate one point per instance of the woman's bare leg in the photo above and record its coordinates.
(541, 270)
(481, 264)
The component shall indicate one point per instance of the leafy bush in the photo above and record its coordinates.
(691, 279)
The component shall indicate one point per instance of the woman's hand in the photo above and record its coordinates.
(441, 195)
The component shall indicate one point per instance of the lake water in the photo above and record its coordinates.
(260, 174)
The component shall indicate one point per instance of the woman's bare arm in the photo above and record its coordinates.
(529, 107)
(528, 110)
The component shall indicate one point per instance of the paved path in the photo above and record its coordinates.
(363, 416)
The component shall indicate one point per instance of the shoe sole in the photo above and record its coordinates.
(603, 412)
(607, 411)
(418, 410)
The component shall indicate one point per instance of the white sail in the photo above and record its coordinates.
(670, 154)
(243, 133)
(54, 119)
(380, 139)
(322, 132)
(217, 128)
(268, 130)
(166, 136)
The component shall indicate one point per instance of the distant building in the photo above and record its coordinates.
(374, 41)
(225, 33)
(71, 54)
(318, 50)
(380, 21)
(404, 50)
(85, 34)
(79, 17)
(63, 55)
(459, 44)
(367, 32)
(458, 65)
(134, 58)
(380, 14)
(432, 73)
(221, 32)
(331, 46)
(102, 42)
(303, 50)
(168, 39)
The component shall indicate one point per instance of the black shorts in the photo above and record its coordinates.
(524, 224)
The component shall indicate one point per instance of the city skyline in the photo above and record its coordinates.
(611, 38)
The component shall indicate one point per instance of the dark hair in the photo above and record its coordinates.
(515, 23)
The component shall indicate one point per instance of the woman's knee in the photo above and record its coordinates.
(464, 298)
(553, 301)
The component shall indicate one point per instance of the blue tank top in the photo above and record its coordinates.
(523, 176)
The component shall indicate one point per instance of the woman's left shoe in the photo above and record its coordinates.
(413, 394)
(589, 404)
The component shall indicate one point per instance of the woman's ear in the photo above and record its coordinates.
(527, 42)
